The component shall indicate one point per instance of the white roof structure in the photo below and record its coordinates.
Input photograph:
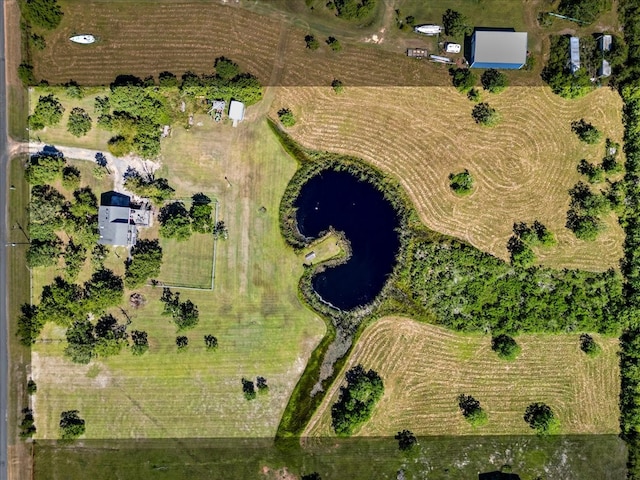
(498, 49)
(605, 43)
(236, 112)
(574, 50)
(605, 69)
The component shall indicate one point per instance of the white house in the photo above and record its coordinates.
(236, 112)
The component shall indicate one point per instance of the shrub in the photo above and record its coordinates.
(286, 117)
(461, 183)
(79, 122)
(520, 253)
(406, 440)
(474, 95)
(352, 9)
(357, 400)
(589, 346)
(25, 73)
(455, 24)
(337, 86)
(71, 425)
(311, 42)
(586, 132)
(211, 342)
(261, 383)
(32, 388)
(463, 79)
(505, 346)
(493, 80)
(145, 263)
(541, 418)
(140, 342)
(594, 173)
(248, 389)
(471, 410)
(73, 90)
(182, 343)
(485, 115)
(46, 14)
(70, 177)
(334, 44)
(584, 10)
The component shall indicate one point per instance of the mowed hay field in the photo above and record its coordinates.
(254, 311)
(523, 168)
(146, 37)
(424, 368)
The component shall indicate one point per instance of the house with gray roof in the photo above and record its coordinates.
(117, 221)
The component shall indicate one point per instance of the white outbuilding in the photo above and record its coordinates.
(236, 112)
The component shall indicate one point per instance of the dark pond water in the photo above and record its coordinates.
(340, 200)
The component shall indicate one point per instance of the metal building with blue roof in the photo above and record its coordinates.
(498, 49)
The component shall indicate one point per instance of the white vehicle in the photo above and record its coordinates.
(452, 47)
(428, 29)
(84, 39)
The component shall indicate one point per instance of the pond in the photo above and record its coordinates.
(369, 222)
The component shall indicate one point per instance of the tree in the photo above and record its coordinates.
(156, 189)
(357, 400)
(140, 342)
(70, 177)
(220, 230)
(248, 389)
(111, 337)
(584, 10)
(311, 42)
(261, 383)
(559, 76)
(286, 117)
(74, 258)
(455, 24)
(589, 346)
(586, 132)
(119, 146)
(472, 411)
(493, 80)
(585, 209)
(62, 302)
(38, 41)
(44, 168)
(46, 212)
(25, 74)
(103, 290)
(353, 9)
(463, 79)
(226, 69)
(46, 14)
(483, 114)
(146, 259)
(337, 86)
(81, 342)
(71, 425)
(79, 122)
(185, 314)
(211, 342)
(594, 173)
(44, 253)
(541, 418)
(32, 388)
(74, 90)
(167, 80)
(461, 183)
(29, 324)
(406, 440)
(311, 476)
(182, 343)
(505, 346)
(521, 254)
(200, 213)
(175, 221)
(334, 44)
(27, 425)
(48, 112)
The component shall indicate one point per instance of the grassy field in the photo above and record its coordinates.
(523, 168)
(437, 458)
(254, 312)
(19, 453)
(424, 369)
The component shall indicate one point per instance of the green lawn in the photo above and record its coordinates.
(193, 270)
(254, 311)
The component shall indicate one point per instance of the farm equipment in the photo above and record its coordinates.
(216, 109)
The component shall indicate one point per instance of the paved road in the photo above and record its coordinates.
(4, 326)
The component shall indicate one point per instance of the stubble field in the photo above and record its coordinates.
(523, 168)
(424, 368)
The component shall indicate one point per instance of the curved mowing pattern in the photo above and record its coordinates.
(523, 168)
(425, 367)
